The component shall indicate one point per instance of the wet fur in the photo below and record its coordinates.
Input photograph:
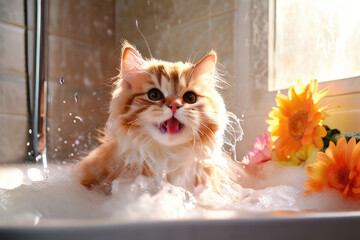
(133, 146)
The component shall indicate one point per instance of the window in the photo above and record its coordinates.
(313, 39)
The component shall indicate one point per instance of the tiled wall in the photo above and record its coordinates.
(82, 52)
(172, 27)
(13, 111)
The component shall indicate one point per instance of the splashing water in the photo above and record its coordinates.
(76, 96)
(233, 134)
(79, 118)
(61, 80)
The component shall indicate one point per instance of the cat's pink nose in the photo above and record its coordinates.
(174, 106)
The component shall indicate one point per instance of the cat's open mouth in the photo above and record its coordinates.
(172, 126)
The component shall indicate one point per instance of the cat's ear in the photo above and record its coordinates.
(131, 66)
(206, 66)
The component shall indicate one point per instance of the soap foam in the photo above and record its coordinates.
(272, 187)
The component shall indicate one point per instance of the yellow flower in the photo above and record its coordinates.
(296, 123)
(337, 168)
(306, 155)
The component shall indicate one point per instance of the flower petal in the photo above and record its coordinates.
(316, 171)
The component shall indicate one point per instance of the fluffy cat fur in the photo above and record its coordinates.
(174, 133)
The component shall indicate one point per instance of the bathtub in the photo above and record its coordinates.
(314, 226)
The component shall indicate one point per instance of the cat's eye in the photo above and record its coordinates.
(155, 94)
(190, 97)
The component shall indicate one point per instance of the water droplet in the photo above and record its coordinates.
(59, 129)
(60, 139)
(38, 135)
(48, 129)
(65, 142)
(93, 93)
(79, 118)
(70, 114)
(242, 115)
(27, 144)
(76, 96)
(30, 131)
(38, 158)
(29, 153)
(64, 101)
(71, 154)
(77, 142)
(55, 149)
(109, 31)
(74, 121)
(61, 80)
(73, 145)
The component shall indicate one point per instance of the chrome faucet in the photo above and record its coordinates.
(37, 89)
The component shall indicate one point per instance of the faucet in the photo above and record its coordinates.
(37, 85)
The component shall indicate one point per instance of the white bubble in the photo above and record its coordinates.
(77, 142)
(30, 131)
(59, 129)
(27, 144)
(65, 141)
(70, 114)
(64, 101)
(74, 121)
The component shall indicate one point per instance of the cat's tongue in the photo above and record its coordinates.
(173, 125)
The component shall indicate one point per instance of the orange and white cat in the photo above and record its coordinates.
(167, 121)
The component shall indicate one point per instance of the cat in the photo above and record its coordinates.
(167, 121)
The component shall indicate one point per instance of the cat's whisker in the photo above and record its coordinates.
(133, 122)
(194, 140)
(208, 129)
(197, 134)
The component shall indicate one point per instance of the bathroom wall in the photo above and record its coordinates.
(13, 110)
(82, 52)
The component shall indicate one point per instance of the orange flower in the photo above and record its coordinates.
(296, 123)
(337, 168)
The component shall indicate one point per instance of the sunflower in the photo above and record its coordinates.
(337, 168)
(296, 123)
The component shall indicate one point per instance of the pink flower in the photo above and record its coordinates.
(262, 151)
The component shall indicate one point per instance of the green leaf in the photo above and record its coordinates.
(333, 135)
